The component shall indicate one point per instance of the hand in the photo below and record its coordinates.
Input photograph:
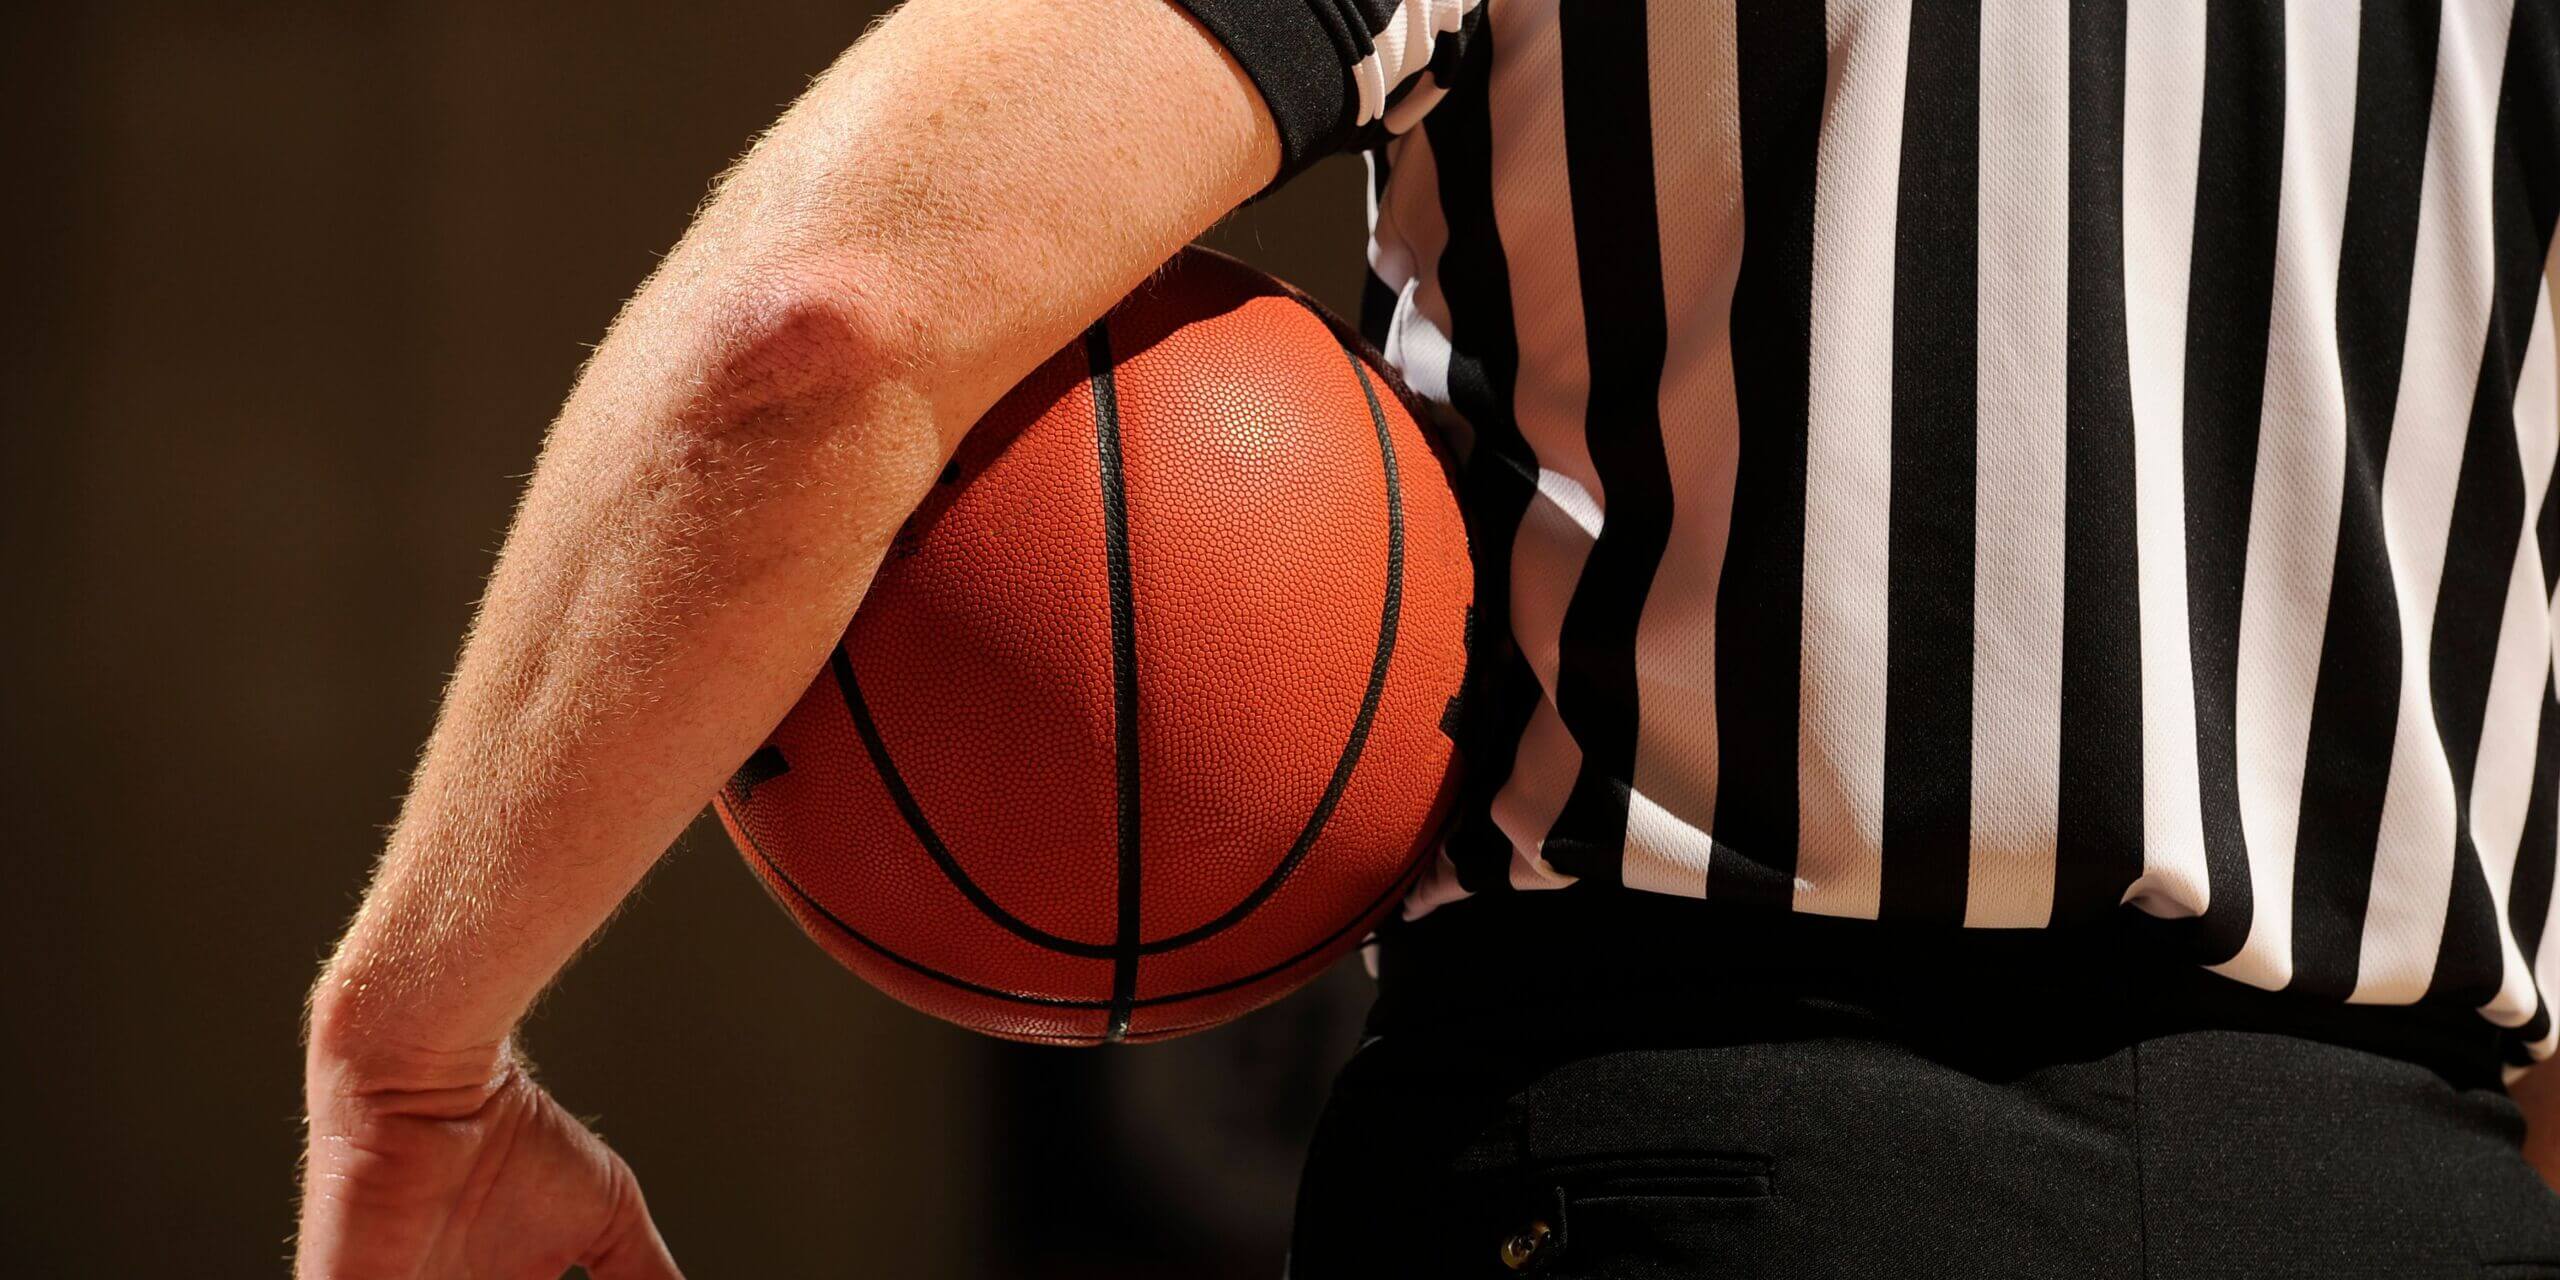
(493, 1179)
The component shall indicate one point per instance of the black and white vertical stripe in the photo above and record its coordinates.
(1992, 464)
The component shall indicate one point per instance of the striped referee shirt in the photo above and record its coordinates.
(1989, 461)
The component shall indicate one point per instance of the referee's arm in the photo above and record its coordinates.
(951, 202)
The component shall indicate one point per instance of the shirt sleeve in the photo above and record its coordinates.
(1342, 74)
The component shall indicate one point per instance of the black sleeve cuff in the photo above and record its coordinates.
(1300, 67)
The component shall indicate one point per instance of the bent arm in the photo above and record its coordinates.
(957, 197)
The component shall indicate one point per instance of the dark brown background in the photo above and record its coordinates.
(293, 291)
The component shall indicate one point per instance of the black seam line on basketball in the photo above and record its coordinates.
(1389, 614)
(1391, 611)
(877, 747)
(1124, 672)
(1401, 885)
(849, 686)
(739, 822)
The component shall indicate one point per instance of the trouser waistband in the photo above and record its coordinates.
(1642, 966)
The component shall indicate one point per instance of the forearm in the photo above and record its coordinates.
(667, 590)
(910, 240)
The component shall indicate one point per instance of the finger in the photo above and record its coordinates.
(640, 1254)
(631, 1248)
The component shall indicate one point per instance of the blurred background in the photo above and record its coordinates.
(293, 292)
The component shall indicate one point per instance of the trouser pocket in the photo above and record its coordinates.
(1638, 1215)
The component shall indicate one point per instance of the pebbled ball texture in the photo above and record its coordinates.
(1125, 742)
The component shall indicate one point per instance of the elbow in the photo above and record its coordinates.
(724, 390)
(791, 354)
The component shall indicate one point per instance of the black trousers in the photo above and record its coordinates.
(1595, 1084)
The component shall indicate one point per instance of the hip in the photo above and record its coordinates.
(1678, 1123)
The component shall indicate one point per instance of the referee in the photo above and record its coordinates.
(2017, 734)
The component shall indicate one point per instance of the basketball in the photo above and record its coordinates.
(1146, 717)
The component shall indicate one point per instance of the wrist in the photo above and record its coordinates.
(363, 1056)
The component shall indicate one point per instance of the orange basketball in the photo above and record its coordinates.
(1142, 722)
